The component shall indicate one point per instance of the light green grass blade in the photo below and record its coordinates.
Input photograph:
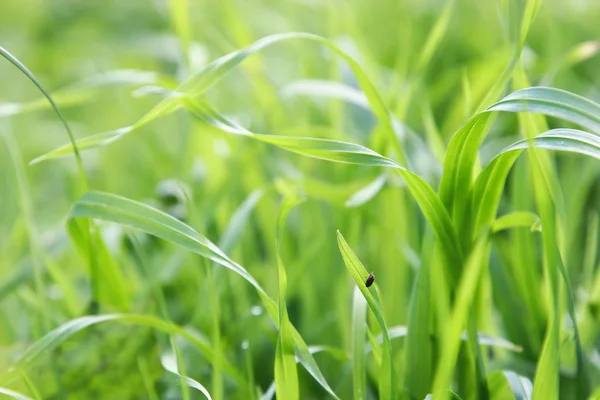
(169, 363)
(359, 333)
(286, 374)
(388, 379)
(14, 395)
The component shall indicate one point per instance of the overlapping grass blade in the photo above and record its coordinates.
(460, 313)
(139, 216)
(333, 150)
(388, 388)
(506, 385)
(214, 71)
(57, 336)
(169, 363)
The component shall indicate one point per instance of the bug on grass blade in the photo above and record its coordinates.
(370, 280)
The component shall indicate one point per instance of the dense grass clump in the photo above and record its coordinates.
(298, 200)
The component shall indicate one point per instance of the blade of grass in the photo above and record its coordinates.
(286, 374)
(169, 362)
(460, 312)
(388, 379)
(139, 216)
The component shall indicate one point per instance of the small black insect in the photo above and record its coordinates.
(370, 280)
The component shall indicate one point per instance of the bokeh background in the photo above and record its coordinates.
(94, 56)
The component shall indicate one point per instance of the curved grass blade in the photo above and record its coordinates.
(13, 60)
(169, 363)
(216, 70)
(462, 150)
(388, 379)
(139, 216)
(518, 219)
(57, 336)
(337, 151)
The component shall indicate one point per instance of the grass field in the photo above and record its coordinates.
(194, 195)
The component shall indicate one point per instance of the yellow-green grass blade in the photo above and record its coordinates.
(388, 385)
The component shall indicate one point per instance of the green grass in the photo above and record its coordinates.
(193, 195)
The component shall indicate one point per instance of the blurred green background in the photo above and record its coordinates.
(94, 56)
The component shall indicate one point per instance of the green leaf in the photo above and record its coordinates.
(388, 378)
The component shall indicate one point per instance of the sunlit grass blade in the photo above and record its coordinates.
(388, 386)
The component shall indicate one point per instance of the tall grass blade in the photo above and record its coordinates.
(388, 379)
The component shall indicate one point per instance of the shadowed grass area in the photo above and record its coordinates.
(297, 200)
